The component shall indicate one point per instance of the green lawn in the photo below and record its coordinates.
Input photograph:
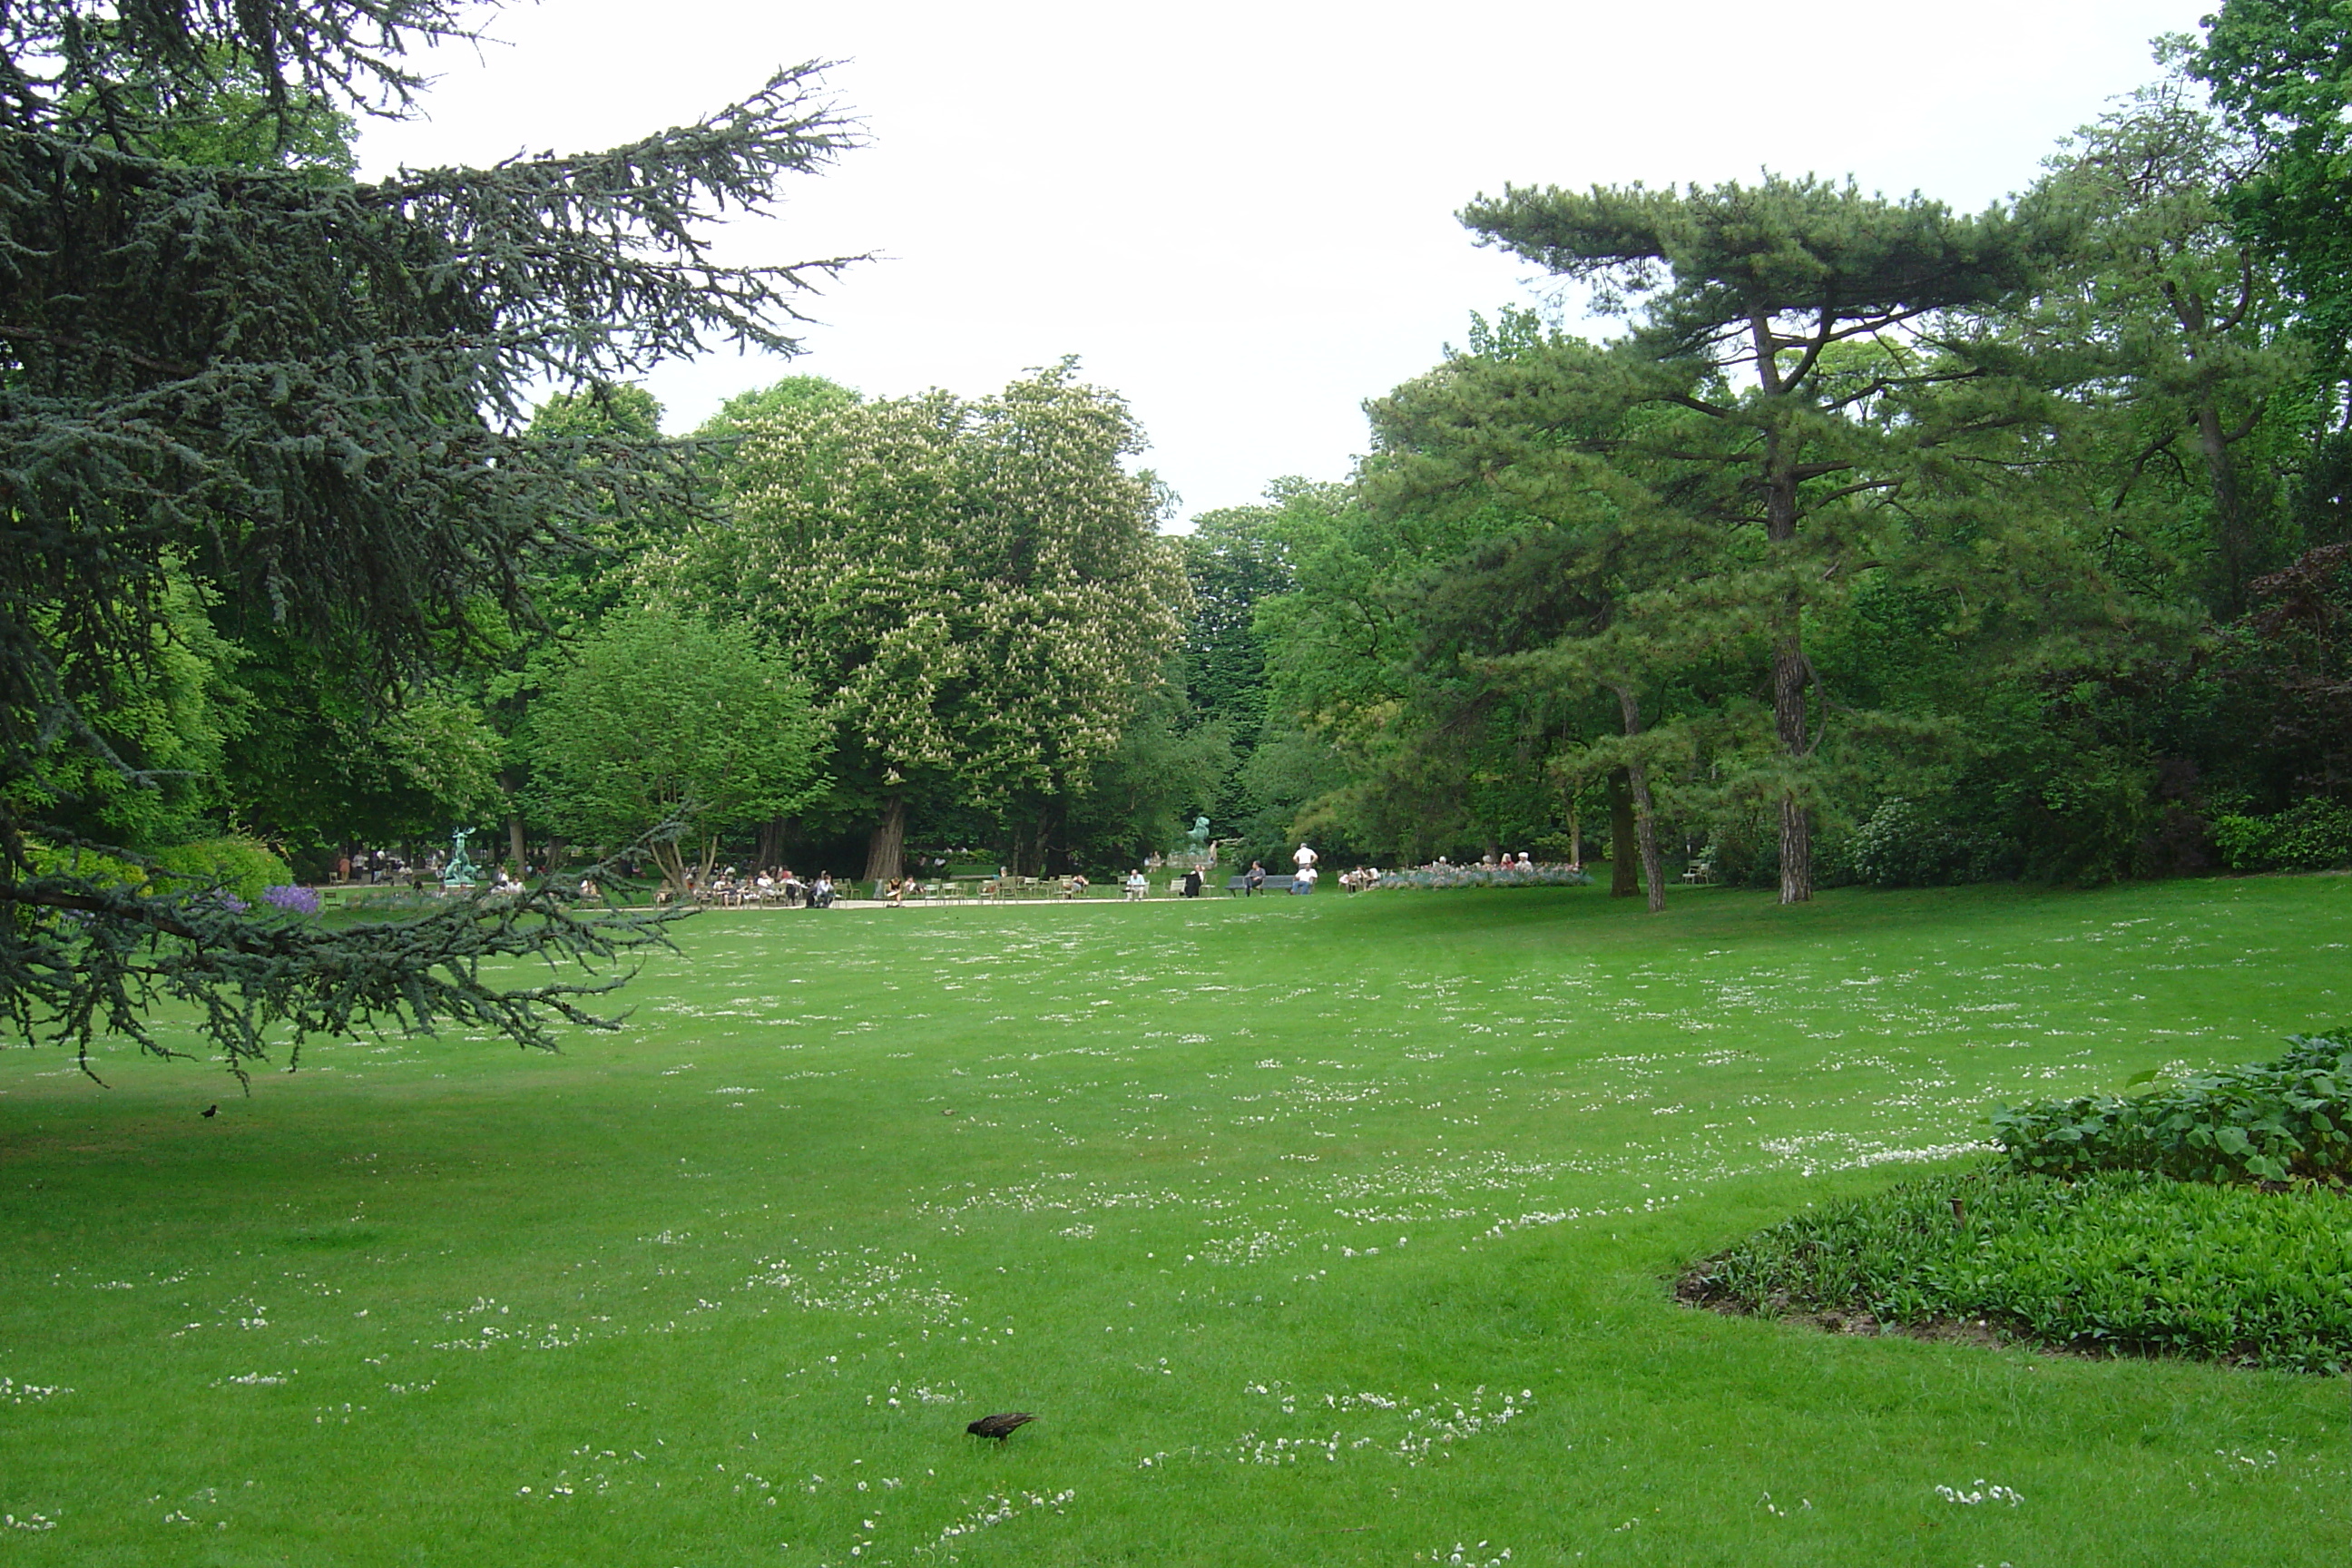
(1313, 1230)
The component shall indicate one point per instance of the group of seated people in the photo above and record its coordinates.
(899, 890)
(732, 890)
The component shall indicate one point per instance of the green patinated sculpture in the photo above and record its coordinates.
(461, 873)
(1204, 851)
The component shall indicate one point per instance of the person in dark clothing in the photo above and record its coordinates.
(1192, 883)
(1254, 879)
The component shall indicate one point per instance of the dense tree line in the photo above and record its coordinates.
(1881, 543)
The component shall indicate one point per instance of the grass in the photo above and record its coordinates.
(1315, 1231)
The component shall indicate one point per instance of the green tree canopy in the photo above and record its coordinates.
(659, 720)
(2282, 70)
(974, 591)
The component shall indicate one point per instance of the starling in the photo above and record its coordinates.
(1000, 1427)
(212, 1111)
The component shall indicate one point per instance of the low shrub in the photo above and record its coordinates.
(2312, 837)
(2121, 1261)
(244, 868)
(49, 860)
(2291, 1117)
(1905, 845)
(1545, 876)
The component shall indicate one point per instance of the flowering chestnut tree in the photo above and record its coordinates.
(975, 592)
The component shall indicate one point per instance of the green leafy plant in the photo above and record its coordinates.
(2312, 836)
(244, 867)
(1905, 845)
(2117, 1261)
(2279, 1120)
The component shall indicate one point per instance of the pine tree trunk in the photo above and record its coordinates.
(1624, 880)
(886, 852)
(1654, 875)
(2229, 507)
(2230, 533)
(1789, 667)
(1789, 671)
(1637, 778)
(1796, 851)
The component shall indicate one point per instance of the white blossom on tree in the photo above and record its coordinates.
(976, 592)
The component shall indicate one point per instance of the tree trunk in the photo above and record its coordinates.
(1790, 667)
(772, 843)
(672, 863)
(508, 785)
(1575, 835)
(2229, 509)
(1624, 880)
(1637, 778)
(1789, 671)
(2230, 540)
(886, 852)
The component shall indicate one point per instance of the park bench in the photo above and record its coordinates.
(1274, 884)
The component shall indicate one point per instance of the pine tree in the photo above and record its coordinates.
(1754, 292)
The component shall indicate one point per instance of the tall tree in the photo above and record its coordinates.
(1751, 290)
(2282, 70)
(974, 592)
(305, 393)
(1564, 610)
(655, 721)
(2166, 316)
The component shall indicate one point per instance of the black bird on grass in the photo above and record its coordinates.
(1000, 1427)
(211, 1110)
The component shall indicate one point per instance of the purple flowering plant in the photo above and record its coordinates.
(293, 900)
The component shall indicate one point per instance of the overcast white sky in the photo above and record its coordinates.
(1240, 216)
